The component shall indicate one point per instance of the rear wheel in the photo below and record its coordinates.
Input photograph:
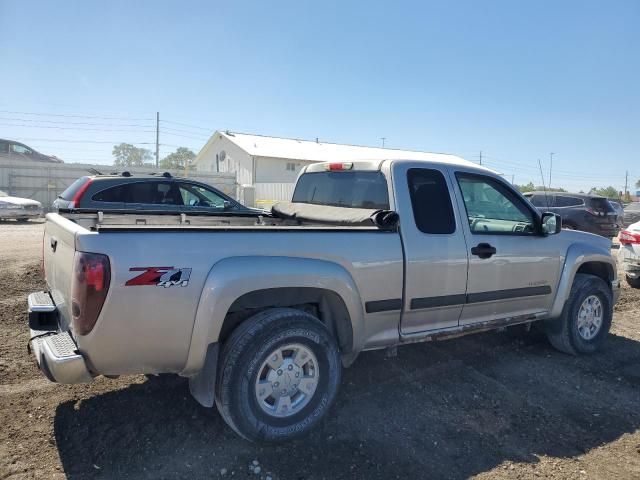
(586, 317)
(279, 374)
(633, 282)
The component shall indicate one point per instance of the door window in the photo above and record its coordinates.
(492, 208)
(21, 149)
(197, 196)
(430, 201)
(543, 201)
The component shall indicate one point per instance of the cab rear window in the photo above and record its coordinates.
(351, 189)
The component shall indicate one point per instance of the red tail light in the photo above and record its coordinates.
(75, 202)
(91, 279)
(334, 167)
(629, 238)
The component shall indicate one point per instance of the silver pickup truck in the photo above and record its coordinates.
(261, 312)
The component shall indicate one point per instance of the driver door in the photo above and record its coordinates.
(513, 269)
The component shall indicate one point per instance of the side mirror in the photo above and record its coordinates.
(551, 223)
(226, 204)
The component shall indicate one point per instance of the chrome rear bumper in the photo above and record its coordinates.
(55, 352)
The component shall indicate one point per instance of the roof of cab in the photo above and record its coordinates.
(427, 158)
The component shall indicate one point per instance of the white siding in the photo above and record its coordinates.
(235, 160)
(269, 193)
(278, 170)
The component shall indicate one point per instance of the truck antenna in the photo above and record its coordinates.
(546, 199)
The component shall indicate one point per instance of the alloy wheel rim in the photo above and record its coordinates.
(287, 380)
(590, 317)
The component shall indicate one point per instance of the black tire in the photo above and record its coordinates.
(242, 356)
(563, 332)
(633, 282)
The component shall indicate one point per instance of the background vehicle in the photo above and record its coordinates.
(21, 209)
(16, 151)
(261, 312)
(629, 253)
(632, 213)
(587, 213)
(153, 193)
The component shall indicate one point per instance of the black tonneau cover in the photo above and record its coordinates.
(361, 217)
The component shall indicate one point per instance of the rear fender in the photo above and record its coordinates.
(233, 277)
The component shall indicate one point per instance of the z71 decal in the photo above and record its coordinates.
(160, 276)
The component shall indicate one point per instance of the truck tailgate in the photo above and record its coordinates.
(58, 251)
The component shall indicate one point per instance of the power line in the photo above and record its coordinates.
(63, 122)
(79, 141)
(73, 115)
(186, 125)
(74, 128)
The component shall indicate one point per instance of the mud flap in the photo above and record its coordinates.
(202, 385)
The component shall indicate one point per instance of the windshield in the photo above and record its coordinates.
(351, 189)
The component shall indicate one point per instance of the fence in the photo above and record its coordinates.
(43, 181)
(267, 194)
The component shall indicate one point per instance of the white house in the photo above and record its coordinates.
(271, 164)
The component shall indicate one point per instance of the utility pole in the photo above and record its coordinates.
(626, 183)
(550, 167)
(480, 157)
(157, 137)
(383, 139)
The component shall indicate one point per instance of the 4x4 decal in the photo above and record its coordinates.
(160, 276)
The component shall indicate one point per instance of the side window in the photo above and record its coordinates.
(562, 201)
(430, 201)
(542, 201)
(113, 194)
(15, 148)
(492, 208)
(4, 147)
(197, 196)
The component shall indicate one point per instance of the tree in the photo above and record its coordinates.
(182, 158)
(127, 155)
(530, 187)
(609, 192)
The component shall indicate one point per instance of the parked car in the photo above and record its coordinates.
(152, 193)
(16, 151)
(632, 213)
(588, 213)
(629, 253)
(17, 208)
(262, 312)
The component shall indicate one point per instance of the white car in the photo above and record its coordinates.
(21, 209)
(629, 253)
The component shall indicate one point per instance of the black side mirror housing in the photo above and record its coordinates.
(551, 223)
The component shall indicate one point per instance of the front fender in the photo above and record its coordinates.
(577, 255)
(233, 277)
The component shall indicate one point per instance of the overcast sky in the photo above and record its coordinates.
(515, 79)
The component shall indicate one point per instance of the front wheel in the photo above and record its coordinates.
(586, 317)
(633, 282)
(279, 374)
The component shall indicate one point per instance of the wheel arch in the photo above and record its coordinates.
(582, 258)
(252, 283)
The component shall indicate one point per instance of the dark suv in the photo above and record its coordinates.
(151, 193)
(588, 213)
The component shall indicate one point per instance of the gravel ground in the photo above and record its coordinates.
(494, 405)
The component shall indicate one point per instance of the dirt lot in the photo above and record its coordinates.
(491, 406)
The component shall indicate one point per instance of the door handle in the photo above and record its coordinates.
(483, 250)
(54, 243)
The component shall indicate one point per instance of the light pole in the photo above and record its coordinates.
(550, 167)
